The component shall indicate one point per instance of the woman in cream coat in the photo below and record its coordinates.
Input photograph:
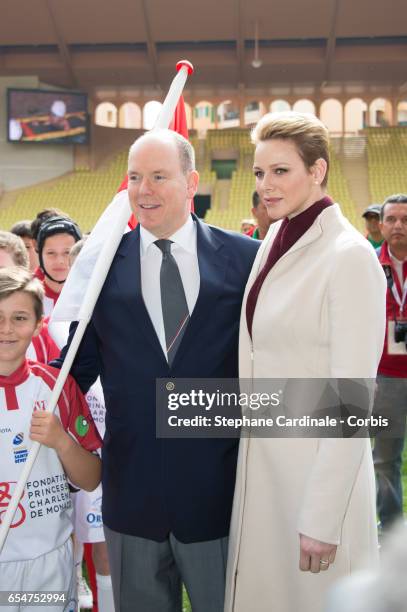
(304, 509)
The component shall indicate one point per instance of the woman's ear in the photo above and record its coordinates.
(318, 170)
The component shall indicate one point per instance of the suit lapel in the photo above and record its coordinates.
(212, 271)
(128, 276)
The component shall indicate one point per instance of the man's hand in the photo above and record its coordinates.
(315, 556)
(47, 429)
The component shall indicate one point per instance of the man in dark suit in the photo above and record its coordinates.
(170, 307)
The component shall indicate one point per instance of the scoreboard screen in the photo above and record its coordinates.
(47, 116)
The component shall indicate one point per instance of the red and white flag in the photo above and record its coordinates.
(84, 283)
(116, 219)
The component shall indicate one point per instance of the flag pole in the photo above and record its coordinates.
(104, 260)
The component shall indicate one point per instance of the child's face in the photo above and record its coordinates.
(18, 324)
(55, 255)
(31, 252)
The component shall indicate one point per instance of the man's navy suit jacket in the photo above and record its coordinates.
(151, 486)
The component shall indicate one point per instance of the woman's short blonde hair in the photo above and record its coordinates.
(307, 132)
(19, 279)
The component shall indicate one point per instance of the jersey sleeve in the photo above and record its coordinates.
(53, 350)
(76, 417)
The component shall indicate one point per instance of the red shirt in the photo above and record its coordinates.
(50, 299)
(45, 348)
(43, 520)
(51, 296)
(393, 365)
(38, 273)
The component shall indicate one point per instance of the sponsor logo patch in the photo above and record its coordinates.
(20, 452)
(81, 426)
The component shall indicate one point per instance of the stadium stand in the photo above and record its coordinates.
(83, 194)
(387, 155)
(338, 189)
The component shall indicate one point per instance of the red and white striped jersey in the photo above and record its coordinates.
(42, 347)
(50, 299)
(43, 520)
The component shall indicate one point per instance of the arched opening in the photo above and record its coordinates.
(402, 113)
(228, 115)
(253, 111)
(331, 116)
(304, 106)
(130, 116)
(279, 106)
(106, 115)
(204, 116)
(151, 111)
(355, 115)
(380, 113)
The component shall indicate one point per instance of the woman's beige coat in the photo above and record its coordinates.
(320, 314)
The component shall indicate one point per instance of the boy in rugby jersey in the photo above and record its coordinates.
(13, 253)
(37, 555)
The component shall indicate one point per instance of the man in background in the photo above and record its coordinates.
(259, 212)
(391, 397)
(372, 224)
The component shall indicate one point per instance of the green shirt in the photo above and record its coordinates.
(376, 243)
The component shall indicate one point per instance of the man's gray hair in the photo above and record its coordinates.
(395, 198)
(185, 149)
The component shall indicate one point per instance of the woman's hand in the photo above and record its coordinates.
(315, 556)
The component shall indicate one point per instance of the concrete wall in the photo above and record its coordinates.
(23, 164)
(105, 142)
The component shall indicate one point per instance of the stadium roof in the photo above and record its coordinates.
(130, 44)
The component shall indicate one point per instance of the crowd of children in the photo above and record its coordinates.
(60, 508)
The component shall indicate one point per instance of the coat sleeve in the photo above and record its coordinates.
(87, 364)
(357, 318)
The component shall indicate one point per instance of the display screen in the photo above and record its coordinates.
(37, 115)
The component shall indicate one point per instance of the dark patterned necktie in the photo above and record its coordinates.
(173, 301)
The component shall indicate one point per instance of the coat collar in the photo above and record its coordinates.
(330, 215)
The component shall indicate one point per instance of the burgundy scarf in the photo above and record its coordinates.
(289, 232)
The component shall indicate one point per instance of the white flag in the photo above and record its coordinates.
(96, 255)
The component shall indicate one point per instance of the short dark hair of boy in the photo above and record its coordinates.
(16, 279)
(22, 229)
(396, 198)
(255, 199)
(77, 248)
(42, 216)
(15, 247)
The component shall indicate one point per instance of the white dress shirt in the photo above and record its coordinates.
(185, 254)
